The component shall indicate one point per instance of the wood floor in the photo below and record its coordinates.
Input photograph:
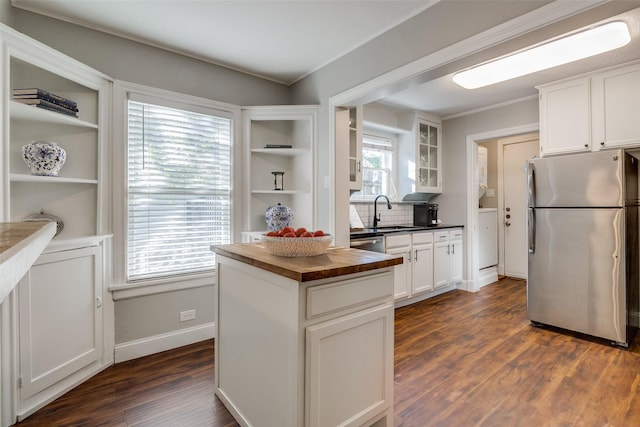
(461, 359)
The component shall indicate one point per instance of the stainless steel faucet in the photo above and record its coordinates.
(376, 215)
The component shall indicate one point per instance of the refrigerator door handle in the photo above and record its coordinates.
(531, 185)
(532, 230)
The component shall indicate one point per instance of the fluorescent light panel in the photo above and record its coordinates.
(551, 54)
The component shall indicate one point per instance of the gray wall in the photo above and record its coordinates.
(419, 36)
(122, 59)
(6, 12)
(134, 62)
(453, 200)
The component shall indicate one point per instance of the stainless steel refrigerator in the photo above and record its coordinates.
(583, 244)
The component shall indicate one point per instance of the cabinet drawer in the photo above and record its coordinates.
(441, 236)
(347, 294)
(455, 234)
(397, 240)
(419, 238)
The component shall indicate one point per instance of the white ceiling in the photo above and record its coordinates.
(277, 40)
(284, 41)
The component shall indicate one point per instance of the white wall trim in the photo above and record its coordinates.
(170, 340)
(473, 272)
(171, 284)
(427, 295)
(487, 276)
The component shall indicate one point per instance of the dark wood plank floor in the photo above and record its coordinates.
(461, 359)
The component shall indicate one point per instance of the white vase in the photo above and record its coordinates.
(44, 158)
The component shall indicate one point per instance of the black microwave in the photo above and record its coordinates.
(425, 215)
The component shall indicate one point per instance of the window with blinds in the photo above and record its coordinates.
(179, 190)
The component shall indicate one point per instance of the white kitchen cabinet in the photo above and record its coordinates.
(591, 113)
(304, 353)
(292, 132)
(62, 336)
(61, 324)
(344, 357)
(455, 256)
(422, 263)
(565, 118)
(616, 103)
(447, 257)
(400, 244)
(420, 155)
(415, 275)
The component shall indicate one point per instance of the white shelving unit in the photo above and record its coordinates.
(60, 331)
(284, 125)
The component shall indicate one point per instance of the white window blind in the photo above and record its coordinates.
(179, 190)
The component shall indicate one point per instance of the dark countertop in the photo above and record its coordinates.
(381, 231)
(336, 262)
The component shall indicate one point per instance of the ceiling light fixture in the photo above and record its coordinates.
(549, 54)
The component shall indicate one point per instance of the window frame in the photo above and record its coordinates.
(121, 287)
(394, 171)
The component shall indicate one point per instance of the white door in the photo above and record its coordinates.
(514, 158)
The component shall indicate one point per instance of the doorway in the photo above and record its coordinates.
(501, 137)
(515, 153)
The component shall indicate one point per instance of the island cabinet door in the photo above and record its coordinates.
(349, 366)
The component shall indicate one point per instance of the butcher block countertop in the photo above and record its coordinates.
(338, 261)
(21, 243)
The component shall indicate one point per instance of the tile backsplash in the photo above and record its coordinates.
(399, 214)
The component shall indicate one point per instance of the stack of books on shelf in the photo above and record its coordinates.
(46, 100)
(277, 146)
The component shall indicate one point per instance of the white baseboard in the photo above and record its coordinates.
(487, 275)
(170, 340)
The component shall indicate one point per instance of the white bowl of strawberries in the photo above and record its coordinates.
(290, 242)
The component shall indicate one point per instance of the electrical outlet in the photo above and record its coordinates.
(187, 315)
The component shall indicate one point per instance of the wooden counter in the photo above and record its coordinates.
(21, 243)
(336, 262)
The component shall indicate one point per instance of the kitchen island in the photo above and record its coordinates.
(305, 341)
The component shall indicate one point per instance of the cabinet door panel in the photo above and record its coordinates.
(440, 264)
(350, 368)
(422, 270)
(401, 273)
(620, 106)
(455, 261)
(565, 118)
(60, 330)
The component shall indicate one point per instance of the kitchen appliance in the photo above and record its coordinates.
(583, 243)
(425, 214)
(375, 244)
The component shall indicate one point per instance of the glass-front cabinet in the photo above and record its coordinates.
(355, 148)
(428, 162)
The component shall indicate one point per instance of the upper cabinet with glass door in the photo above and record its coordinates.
(428, 171)
(420, 156)
(355, 148)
